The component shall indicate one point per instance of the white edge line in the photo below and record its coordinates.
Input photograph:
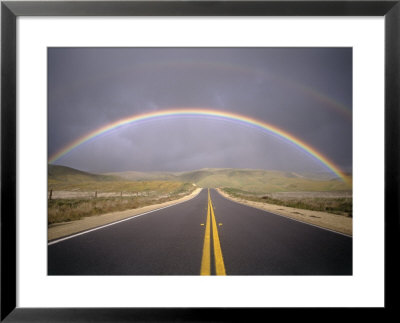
(286, 217)
(116, 222)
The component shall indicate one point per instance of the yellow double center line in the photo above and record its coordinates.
(206, 258)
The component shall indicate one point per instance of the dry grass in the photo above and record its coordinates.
(64, 210)
(117, 186)
(338, 223)
(335, 205)
(58, 230)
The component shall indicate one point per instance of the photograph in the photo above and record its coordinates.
(200, 161)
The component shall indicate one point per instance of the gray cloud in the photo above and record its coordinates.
(301, 90)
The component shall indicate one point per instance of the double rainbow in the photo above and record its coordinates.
(191, 112)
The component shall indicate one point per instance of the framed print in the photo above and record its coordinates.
(147, 144)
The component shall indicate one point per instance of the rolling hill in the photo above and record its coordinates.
(62, 178)
(68, 174)
(144, 176)
(251, 180)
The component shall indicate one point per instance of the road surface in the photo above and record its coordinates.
(207, 235)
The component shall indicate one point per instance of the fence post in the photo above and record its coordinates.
(95, 194)
(51, 194)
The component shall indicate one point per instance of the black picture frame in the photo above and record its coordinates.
(10, 10)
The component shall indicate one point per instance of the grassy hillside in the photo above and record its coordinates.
(250, 180)
(68, 174)
(139, 193)
(143, 176)
(61, 178)
(262, 181)
(269, 181)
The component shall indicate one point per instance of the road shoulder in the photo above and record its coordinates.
(60, 230)
(337, 223)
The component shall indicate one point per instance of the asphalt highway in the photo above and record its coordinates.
(207, 235)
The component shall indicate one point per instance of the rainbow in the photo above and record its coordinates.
(205, 113)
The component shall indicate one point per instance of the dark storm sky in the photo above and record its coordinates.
(304, 91)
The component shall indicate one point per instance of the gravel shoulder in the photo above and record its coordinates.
(326, 220)
(59, 230)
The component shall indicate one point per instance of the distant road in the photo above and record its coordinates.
(206, 235)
